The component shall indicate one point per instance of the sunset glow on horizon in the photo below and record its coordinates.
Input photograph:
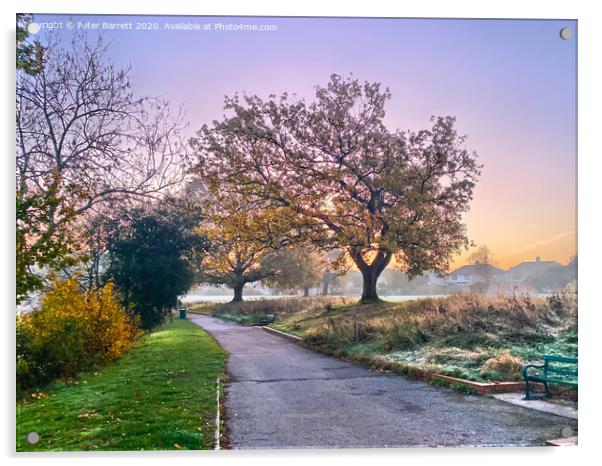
(510, 83)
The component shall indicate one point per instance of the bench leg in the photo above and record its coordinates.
(548, 394)
(528, 390)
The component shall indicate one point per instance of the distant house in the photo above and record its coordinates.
(521, 271)
(474, 273)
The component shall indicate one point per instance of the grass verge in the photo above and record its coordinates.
(159, 396)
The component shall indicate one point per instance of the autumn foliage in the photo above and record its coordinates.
(73, 330)
(353, 184)
(242, 240)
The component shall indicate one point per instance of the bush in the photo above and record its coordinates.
(504, 366)
(72, 331)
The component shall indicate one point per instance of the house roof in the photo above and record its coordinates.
(477, 269)
(525, 268)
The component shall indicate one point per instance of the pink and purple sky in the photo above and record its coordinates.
(510, 83)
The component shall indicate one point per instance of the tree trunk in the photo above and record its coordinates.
(238, 292)
(325, 287)
(305, 291)
(369, 293)
(370, 273)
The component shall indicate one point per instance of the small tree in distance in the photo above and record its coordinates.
(240, 242)
(483, 257)
(376, 194)
(296, 268)
(329, 280)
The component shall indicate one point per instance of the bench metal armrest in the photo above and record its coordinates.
(524, 371)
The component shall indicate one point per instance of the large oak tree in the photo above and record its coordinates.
(375, 193)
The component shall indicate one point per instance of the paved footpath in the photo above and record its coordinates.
(281, 395)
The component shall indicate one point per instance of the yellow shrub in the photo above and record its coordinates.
(109, 330)
(73, 330)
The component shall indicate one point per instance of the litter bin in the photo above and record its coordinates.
(182, 312)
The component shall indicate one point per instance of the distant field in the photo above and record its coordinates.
(199, 298)
(159, 396)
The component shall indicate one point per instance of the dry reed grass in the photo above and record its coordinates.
(282, 307)
(462, 320)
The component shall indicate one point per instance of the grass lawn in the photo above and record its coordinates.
(160, 396)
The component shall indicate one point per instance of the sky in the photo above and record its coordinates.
(510, 83)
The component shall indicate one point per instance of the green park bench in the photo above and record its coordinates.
(267, 319)
(558, 370)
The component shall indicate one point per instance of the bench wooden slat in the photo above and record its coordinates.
(557, 370)
(549, 380)
(558, 358)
